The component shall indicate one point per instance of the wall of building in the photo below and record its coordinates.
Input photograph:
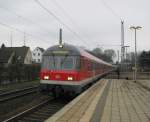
(28, 58)
(37, 55)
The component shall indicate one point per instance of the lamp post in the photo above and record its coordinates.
(135, 28)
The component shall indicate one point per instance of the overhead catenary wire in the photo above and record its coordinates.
(18, 30)
(110, 45)
(24, 18)
(60, 21)
(111, 10)
(63, 11)
(68, 16)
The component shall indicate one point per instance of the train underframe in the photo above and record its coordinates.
(56, 89)
(70, 90)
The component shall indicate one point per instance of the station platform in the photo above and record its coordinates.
(109, 100)
(144, 83)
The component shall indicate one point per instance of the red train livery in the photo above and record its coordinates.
(66, 68)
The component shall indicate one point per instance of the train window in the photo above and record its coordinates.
(78, 63)
(67, 64)
(89, 65)
(53, 62)
(49, 62)
(85, 64)
(59, 62)
(81, 63)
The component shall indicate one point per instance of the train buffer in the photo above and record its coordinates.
(109, 100)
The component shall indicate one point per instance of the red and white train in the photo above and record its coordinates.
(67, 68)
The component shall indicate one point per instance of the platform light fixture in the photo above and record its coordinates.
(135, 28)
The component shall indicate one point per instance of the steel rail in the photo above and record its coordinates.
(16, 117)
(39, 112)
(17, 93)
(18, 90)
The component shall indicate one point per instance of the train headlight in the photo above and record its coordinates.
(70, 78)
(46, 77)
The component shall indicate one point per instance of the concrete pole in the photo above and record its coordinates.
(122, 41)
(135, 63)
(135, 58)
(11, 39)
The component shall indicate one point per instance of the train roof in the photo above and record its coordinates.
(73, 50)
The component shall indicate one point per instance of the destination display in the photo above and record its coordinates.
(60, 52)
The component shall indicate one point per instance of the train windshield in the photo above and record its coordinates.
(58, 62)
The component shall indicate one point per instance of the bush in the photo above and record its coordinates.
(19, 72)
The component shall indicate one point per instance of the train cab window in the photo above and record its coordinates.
(67, 64)
(49, 62)
(57, 62)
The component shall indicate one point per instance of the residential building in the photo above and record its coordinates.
(37, 55)
(19, 54)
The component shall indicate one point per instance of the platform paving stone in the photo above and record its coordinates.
(144, 83)
(126, 102)
(82, 108)
(77, 112)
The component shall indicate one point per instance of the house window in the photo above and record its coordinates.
(38, 60)
(38, 54)
(33, 54)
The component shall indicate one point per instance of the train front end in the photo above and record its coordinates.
(59, 72)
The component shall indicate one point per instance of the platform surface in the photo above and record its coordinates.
(144, 83)
(126, 102)
(109, 100)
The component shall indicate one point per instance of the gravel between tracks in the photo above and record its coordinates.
(18, 105)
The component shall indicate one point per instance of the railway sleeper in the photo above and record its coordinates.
(44, 111)
(41, 113)
(48, 114)
(37, 116)
(28, 119)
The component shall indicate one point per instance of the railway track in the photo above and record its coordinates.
(40, 112)
(17, 93)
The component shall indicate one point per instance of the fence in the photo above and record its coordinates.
(129, 75)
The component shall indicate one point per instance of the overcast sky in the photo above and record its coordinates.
(91, 23)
